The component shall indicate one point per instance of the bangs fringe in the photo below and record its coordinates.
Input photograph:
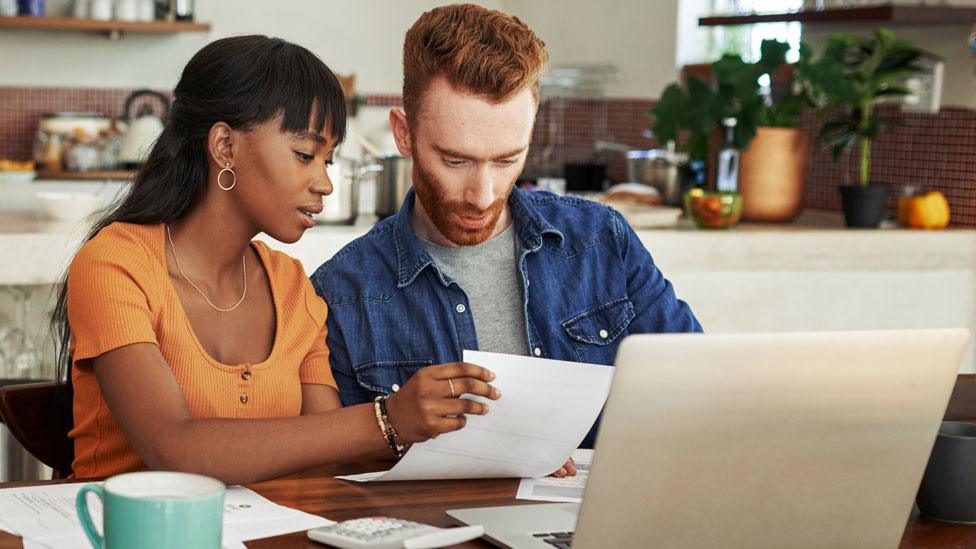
(289, 80)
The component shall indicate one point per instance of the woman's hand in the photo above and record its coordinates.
(428, 404)
(567, 470)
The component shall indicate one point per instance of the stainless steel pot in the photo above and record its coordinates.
(394, 180)
(659, 169)
(341, 207)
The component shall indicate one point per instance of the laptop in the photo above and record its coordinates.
(753, 441)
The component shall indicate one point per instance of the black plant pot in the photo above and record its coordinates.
(863, 206)
(948, 489)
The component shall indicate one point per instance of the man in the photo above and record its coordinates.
(469, 261)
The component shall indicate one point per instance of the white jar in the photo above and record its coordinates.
(8, 8)
(101, 10)
(147, 10)
(126, 10)
(81, 9)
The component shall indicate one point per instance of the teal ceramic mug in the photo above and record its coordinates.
(155, 509)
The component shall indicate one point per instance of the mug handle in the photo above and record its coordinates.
(81, 505)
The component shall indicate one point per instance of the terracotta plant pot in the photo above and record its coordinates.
(772, 174)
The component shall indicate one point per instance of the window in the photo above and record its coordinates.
(745, 40)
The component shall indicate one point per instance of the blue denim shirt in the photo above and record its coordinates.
(587, 282)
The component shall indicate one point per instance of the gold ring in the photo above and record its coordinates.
(451, 383)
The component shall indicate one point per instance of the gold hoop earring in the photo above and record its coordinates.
(226, 169)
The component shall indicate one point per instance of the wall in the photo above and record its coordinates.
(638, 36)
(646, 40)
(693, 42)
(349, 35)
(947, 41)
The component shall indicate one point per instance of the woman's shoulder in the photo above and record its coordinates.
(288, 274)
(134, 247)
(280, 266)
(127, 237)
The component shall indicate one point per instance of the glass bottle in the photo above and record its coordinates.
(727, 174)
(182, 9)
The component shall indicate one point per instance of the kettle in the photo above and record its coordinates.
(143, 129)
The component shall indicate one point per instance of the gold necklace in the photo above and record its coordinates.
(169, 235)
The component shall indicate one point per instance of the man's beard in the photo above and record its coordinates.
(432, 193)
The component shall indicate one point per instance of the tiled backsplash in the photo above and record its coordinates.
(21, 109)
(934, 151)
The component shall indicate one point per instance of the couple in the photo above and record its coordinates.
(192, 346)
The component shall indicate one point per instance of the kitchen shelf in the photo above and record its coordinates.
(886, 14)
(118, 175)
(113, 28)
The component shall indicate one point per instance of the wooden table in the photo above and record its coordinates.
(318, 493)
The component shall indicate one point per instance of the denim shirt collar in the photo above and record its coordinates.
(412, 258)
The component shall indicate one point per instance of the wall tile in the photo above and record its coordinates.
(934, 151)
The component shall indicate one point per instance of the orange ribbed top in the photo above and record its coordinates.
(119, 293)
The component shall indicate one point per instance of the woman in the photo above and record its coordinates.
(194, 348)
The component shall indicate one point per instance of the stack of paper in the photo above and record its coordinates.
(45, 517)
(566, 489)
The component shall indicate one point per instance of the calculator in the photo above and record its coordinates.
(391, 533)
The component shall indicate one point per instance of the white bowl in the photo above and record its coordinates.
(649, 217)
(70, 205)
(17, 176)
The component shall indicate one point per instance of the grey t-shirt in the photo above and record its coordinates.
(488, 275)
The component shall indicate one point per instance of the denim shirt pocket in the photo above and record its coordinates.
(601, 325)
(380, 377)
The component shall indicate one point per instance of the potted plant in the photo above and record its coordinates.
(775, 149)
(875, 67)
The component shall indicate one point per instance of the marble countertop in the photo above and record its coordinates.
(36, 249)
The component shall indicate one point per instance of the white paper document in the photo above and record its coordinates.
(45, 516)
(546, 408)
(566, 489)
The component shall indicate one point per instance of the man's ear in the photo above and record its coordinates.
(221, 145)
(401, 131)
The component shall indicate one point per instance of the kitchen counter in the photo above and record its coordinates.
(810, 275)
(35, 247)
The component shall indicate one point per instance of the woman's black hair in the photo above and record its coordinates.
(242, 81)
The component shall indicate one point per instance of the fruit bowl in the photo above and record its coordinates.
(713, 210)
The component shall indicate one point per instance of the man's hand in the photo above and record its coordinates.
(567, 470)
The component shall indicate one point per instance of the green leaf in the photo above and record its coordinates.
(787, 113)
(893, 91)
(831, 138)
(884, 37)
(669, 113)
(745, 129)
(839, 147)
(836, 49)
(772, 55)
(806, 54)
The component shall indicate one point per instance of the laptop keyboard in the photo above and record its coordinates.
(562, 540)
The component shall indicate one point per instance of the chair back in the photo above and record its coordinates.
(962, 404)
(39, 416)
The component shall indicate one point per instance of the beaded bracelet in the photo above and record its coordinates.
(386, 428)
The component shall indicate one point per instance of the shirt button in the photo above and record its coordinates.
(604, 334)
(243, 399)
(460, 308)
(246, 375)
(395, 387)
(537, 351)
